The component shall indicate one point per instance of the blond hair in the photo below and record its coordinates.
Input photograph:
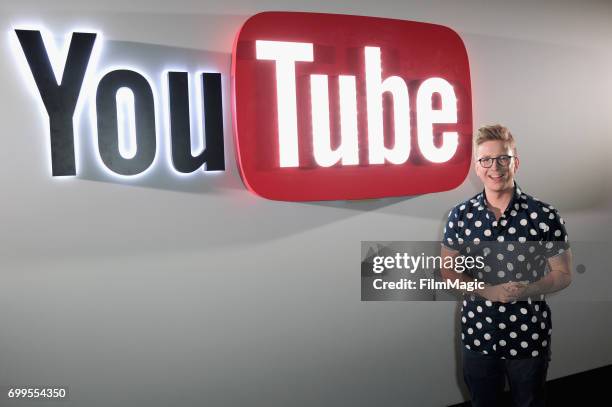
(494, 132)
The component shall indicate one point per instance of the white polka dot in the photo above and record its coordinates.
(533, 215)
(500, 256)
(502, 342)
(488, 303)
(534, 336)
(534, 319)
(524, 344)
(460, 223)
(522, 239)
(504, 222)
(512, 352)
(512, 317)
(544, 314)
(450, 224)
(523, 327)
(543, 325)
(513, 213)
(524, 311)
(487, 269)
(512, 230)
(476, 342)
(489, 320)
(534, 353)
(533, 232)
(470, 215)
(510, 247)
(463, 319)
(479, 325)
(500, 238)
(520, 257)
(501, 274)
(471, 314)
(462, 207)
(487, 232)
(551, 216)
(544, 343)
(479, 308)
(510, 266)
(523, 222)
(470, 331)
(487, 336)
(513, 335)
(468, 346)
(502, 308)
(502, 325)
(468, 232)
(478, 223)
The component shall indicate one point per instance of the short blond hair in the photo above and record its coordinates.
(494, 132)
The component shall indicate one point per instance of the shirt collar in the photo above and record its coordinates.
(482, 200)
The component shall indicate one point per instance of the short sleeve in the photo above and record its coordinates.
(451, 237)
(555, 235)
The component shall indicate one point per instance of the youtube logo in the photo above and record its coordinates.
(338, 107)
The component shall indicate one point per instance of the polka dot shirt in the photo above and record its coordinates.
(514, 248)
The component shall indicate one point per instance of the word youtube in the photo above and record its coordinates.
(324, 107)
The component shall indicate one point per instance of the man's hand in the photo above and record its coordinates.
(506, 292)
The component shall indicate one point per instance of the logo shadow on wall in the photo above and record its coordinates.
(175, 76)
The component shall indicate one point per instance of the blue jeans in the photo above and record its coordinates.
(484, 376)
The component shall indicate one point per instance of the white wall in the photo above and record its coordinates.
(193, 291)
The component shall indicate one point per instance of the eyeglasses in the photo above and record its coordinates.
(502, 161)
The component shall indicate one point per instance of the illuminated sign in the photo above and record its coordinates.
(125, 122)
(346, 107)
(325, 107)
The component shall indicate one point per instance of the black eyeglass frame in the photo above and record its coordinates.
(497, 159)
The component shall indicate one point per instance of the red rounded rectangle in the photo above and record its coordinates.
(380, 132)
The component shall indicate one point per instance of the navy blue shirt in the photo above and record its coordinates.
(515, 248)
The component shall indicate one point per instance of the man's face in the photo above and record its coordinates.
(497, 177)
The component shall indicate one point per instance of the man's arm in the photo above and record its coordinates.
(559, 277)
(505, 292)
(450, 274)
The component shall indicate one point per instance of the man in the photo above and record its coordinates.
(504, 330)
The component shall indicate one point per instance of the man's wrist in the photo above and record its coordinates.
(481, 291)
